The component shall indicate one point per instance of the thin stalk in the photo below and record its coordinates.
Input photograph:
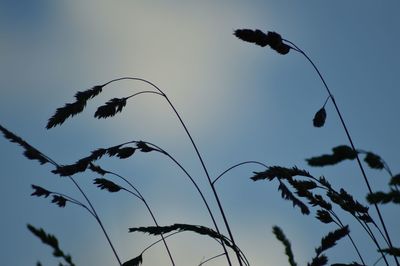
(349, 236)
(237, 165)
(351, 143)
(94, 213)
(140, 196)
(196, 151)
(209, 259)
(201, 195)
(364, 225)
(208, 177)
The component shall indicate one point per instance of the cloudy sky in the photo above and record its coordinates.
(240, 102)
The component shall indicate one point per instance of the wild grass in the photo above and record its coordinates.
(310, 194)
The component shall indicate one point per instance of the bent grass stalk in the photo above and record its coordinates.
(296, 48)
(197, 153)
(92, 211)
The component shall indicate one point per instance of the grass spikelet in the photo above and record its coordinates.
(110, 108)
(134, 262)
(286, 243)
(30, 152)
(51, 241)
(286, 194)
(72, 109)
(106, 184)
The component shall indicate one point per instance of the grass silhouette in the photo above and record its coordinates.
(308, 193)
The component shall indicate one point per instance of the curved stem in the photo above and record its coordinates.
(349, 236)
(351, 143)
(237, 165)
(140, 196)
(196, 151)
(199, 191)
(93, 210)
(209, 259)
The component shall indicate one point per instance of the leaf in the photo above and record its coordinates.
(30, 152)
(374, 161)
(134, 262)
(286, 243)
(331, 238)
(59, 200)
(111, 108)
(319, 118)
(72, 109)
(286, 194)
(340, 153)
(103, 183)
(39, 191)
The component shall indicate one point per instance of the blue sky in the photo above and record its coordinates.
(240, 102)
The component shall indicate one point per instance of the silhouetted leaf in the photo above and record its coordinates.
(134, 262)
(30, 152)
(374, 161)
(106, 184)
(111, 108)
(324, 216)
(39, 191)
(286, 243)
(384, 197)
(286, 194)
(144, 147)
(59, 200)
(340, 153)
(319, 118)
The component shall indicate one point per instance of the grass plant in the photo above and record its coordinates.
(308, 193)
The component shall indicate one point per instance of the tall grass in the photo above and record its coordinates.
(307, 193)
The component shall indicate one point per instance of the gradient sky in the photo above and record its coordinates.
(240, 102)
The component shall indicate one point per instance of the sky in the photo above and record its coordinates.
(240, 102)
